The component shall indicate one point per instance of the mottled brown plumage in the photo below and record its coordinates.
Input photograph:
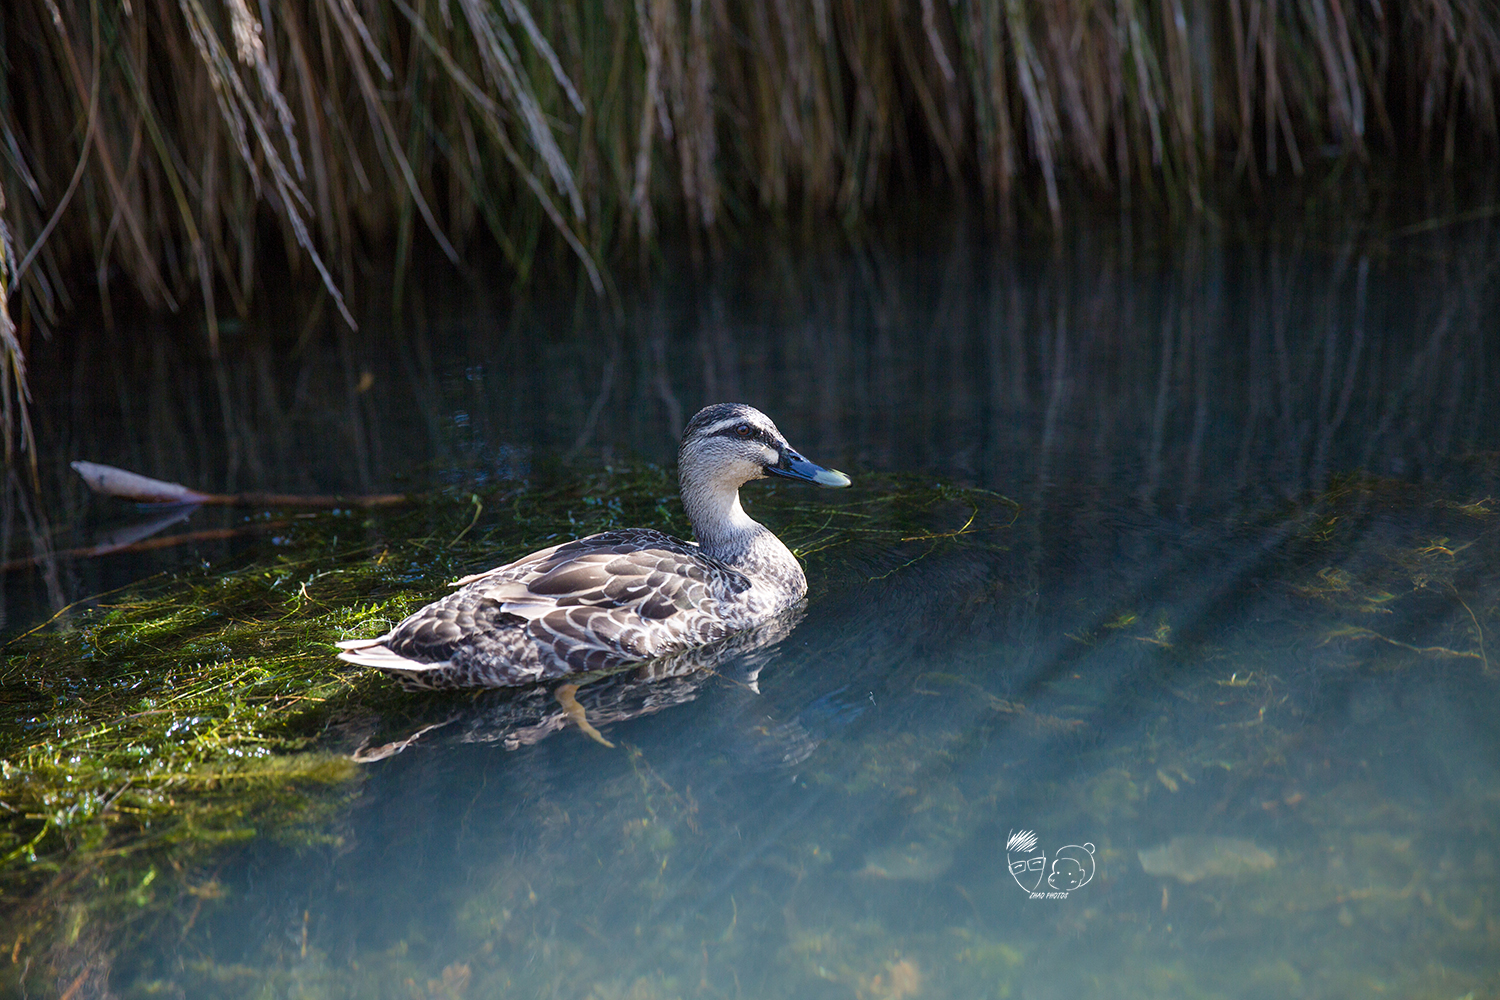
(619, 597)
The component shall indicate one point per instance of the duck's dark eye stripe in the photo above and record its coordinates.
(735, 432)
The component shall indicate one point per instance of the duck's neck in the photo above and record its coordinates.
(724, 530)
(720, 524)
(726, 533)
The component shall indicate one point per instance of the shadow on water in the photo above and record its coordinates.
(1228, 656)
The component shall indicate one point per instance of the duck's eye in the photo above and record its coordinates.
(743, 430)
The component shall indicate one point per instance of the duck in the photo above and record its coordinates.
(618, 597)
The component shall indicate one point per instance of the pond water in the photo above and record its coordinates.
(1154, 652)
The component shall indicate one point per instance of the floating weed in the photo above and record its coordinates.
(1416, 593)
(1473, 508)
(898, 522)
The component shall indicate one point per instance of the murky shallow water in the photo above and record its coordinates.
(1228, 657)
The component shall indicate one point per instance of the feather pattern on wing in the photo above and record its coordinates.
(590, 604)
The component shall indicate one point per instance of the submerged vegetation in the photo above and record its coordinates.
(151, 737)
(209, 677)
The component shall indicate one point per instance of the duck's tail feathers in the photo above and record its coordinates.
(373, 653)
(411, 674)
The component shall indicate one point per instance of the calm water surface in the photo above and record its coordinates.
(1201, 704)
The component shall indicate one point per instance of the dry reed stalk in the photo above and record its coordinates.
(1458, 41)
(700, 185)
(1067, 30)
(15, 420)
(994, 132)
(1041, 107)
(651, 101)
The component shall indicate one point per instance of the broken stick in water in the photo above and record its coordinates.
(115, 482)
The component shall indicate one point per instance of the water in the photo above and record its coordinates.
(1221, 637)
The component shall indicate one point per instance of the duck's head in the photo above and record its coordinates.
(729, 444)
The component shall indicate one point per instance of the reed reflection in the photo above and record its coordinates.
(1207, 373)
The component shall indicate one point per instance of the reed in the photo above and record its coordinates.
(176, 149)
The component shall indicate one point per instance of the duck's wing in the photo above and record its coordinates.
(616, 597)
(590, 604)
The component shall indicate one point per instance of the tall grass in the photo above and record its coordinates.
(171, 148)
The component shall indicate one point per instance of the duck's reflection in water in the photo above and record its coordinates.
(520, 717)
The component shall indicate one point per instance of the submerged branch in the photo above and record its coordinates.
(108, 548)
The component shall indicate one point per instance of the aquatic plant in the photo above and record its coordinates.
(124, 714)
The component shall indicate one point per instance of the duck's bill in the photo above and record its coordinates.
(797, 467)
